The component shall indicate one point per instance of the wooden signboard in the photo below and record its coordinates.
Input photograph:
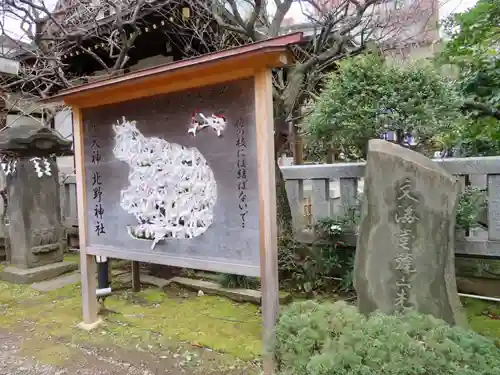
(175, 166)
(172, 179)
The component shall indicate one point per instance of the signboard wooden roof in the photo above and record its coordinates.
(212, 68)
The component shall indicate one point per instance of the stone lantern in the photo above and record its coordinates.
(35, 233)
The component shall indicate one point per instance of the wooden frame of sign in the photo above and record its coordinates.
(252, 63)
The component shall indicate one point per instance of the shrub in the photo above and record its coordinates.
(366, 97)
(231, 281)
(470, 205)
(313, 268)
(335, 339)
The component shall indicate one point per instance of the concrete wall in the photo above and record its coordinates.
(63, 123)
(412, 52)
(20, 120)
(151, 61)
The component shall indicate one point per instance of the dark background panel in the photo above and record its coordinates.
(168, 117)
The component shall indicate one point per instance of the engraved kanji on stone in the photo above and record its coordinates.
(405, 191)
(407, 217)
(404, 263)
(401, 299)
(404, 236)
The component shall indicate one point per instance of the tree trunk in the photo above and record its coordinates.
(330, 156)
(298, 147)
(290, 99)
(283, 211)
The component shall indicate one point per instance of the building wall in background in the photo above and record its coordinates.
(403, 23)
(63, 123)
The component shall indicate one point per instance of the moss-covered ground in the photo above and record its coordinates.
(152, 321)
(156, 321)
(484, 317)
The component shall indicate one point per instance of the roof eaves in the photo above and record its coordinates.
(268, 45)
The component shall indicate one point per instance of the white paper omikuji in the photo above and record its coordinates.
(9, 166)
(199, 121)
(172, 191)
(38, 168)
(47, 170)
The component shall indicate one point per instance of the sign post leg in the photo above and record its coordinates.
(267, 212)
(87, 263)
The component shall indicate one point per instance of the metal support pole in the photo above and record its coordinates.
(136, 277)
(103, 286)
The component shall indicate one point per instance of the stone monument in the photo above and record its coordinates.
(405, 250)
(35, 232)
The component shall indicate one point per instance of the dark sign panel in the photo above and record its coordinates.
(172, 179)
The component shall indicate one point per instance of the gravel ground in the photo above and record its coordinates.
(19, 352)
(13, 362)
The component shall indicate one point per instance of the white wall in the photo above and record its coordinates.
(20, 120)
(63, 123)
(151, 61)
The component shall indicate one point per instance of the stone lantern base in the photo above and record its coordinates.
(17, 275)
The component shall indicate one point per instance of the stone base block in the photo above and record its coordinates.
(58, 282)
(481, 287)
(91, 326)
(208, 287)
(32, 275)
(145, 279)
(239, 295)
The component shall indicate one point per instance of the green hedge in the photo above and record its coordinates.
(335, 339)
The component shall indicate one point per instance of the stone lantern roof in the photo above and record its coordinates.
(33, 139)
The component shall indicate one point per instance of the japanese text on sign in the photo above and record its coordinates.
(241, 171)
(96, 188)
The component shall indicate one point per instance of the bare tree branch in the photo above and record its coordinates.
(482, 108)
(107, 31)
(281, 11)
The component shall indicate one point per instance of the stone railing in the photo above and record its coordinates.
(69, 213)
(322, 190)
